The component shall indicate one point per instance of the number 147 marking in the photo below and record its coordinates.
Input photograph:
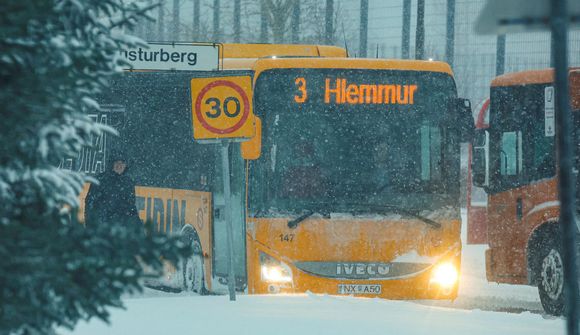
(286, 237)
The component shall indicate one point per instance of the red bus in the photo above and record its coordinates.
(514, 159)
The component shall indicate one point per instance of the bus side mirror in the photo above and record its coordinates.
(252, 149)
(480, 162)
(464, 118)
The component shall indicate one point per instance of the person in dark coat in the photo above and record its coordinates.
(113, 199)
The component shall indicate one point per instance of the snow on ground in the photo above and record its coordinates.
(309, 314)
(164, 313)
(481, 308)
(475, 292)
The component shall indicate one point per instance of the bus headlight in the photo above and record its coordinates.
(274, 271)
(445, 275)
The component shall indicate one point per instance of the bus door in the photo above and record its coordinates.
(238, 215)
(575, 108)
(506, 207)
(524, 158)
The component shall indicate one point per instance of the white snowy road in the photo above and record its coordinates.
(307, 314)
(476, 293)
(481, 308)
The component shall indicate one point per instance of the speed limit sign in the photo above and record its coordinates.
(222, 108)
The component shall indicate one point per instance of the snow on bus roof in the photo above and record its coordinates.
(260, 50)
(261, 64)
(526, 77)
(353, 63)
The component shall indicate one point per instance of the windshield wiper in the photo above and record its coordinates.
(294, 223)
(382, 209)
(399, 210)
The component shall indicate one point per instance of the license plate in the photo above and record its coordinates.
(359, 289)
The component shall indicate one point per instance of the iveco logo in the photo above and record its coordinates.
(362, 269)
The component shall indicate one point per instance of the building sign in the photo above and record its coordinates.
(174, 56)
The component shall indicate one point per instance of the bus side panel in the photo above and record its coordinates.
(169, 210)
(509, 235)
(505, 234)
(477, 224)
(575, 89)
(154, 206)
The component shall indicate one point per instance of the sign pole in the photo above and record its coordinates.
(567, 183)
(222, 111)
(228, 214)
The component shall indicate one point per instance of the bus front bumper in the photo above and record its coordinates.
(439, 281)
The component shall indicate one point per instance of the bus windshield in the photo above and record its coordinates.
(337, 137)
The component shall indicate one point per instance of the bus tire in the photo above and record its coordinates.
(193, 271)
(193, 276)
(550, 275)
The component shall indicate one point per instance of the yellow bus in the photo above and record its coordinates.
(350, 186)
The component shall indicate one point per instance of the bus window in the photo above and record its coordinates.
(543, 164)
(329, 154)
(511, 153)
(430, 153)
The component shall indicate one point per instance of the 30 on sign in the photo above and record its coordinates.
(222, 107)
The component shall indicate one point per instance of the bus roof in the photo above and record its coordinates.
(526, 77)
(260, 57)
(352, 63)
(542, 77)
(244, 56)
(237, 51)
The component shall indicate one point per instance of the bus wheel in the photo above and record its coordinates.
(193, 275)
(551, 278)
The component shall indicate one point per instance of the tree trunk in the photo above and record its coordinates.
(295, 22)
(278, 13)
(364, 26)
(263, 22)
(161, 21)
(237, 26)
(175, 34)
(329, 30)
(196, 14)
(216, 20)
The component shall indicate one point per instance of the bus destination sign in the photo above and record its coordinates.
(341, 91)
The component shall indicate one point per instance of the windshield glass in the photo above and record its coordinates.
(353, 136)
